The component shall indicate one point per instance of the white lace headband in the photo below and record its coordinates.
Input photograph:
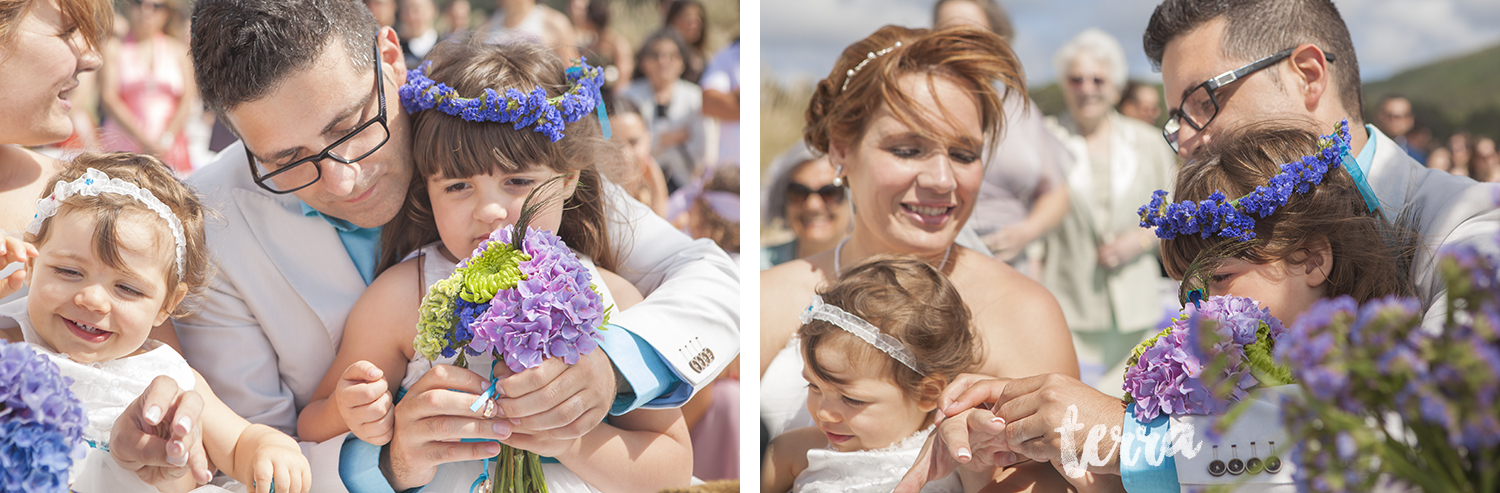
(94, 182)
(819, 310)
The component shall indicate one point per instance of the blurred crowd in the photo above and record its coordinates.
(1462, 153)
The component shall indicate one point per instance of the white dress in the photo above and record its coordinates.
(458, 477)
(873, 471)
(105, 389)
(783, 391)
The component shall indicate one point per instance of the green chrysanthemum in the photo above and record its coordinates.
(497, 269)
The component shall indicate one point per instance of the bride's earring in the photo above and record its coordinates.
(838, 176)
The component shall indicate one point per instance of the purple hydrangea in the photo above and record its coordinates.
(41, 422)
(553, 313)
(1172, 375)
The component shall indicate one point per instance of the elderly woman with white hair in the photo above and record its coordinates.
(1099, 262)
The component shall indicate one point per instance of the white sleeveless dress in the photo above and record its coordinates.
(868, 471)
(105, 389)
(783, 391)
(458, 477)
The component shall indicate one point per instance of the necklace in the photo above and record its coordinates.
(838, 271)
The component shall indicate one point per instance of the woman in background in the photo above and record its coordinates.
(800, 191)
(671, 106)
(1100, 263)
(147, 86)
(690, 21)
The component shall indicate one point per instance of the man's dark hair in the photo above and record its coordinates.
(1259, 28)
(244, 49)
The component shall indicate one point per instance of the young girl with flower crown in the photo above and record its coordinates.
(120, 245)
(476, 167)
(878, 346)
(1302, 243)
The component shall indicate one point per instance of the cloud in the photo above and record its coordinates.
(801, 38)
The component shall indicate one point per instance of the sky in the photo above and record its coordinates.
(801, 38)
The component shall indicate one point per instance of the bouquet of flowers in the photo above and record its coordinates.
(1385, 395)
(41, 422)
(523, 297)
(1208, 358)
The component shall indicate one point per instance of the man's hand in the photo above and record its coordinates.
(431, 420)
(364, 401)
(1034, 408)
(14, 250)
(159, 437)
(557, 400)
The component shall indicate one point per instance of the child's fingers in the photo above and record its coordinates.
(362, 394)
(362, 371)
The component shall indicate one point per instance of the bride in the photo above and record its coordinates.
(905, 117)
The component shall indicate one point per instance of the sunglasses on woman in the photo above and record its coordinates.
(799, 193)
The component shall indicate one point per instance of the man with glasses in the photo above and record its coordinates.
(323, 162)
(1231, 64)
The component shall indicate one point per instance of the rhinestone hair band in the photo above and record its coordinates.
(819, 310)
(94, 182)
(869, 56)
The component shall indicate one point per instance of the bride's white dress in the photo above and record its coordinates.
(458, 477)
(783, 391)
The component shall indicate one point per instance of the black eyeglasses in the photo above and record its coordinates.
(1201, 103)
(799, 193)
(294, 176)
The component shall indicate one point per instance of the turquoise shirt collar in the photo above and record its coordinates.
(1366, 156)
(339, 224)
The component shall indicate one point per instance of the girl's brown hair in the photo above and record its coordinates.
(976, 59)
(911, 301)
(94, 18)
(107, 208)
(1371, 256)
(448, 146)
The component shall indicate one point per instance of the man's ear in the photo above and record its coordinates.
(1312, 80)
(1319, 262)
(390, 53)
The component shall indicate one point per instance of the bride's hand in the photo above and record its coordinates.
(13, 250)
(971, 439)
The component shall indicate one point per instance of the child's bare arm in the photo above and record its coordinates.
(625, 294)
(786, 457)
(645, 450)
(253, 454)
(357, 392)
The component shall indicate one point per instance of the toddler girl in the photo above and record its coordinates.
(474, 177)
(119, 245)
(879, 346)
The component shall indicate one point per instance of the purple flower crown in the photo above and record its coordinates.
(1232, 218)
(550, 115)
